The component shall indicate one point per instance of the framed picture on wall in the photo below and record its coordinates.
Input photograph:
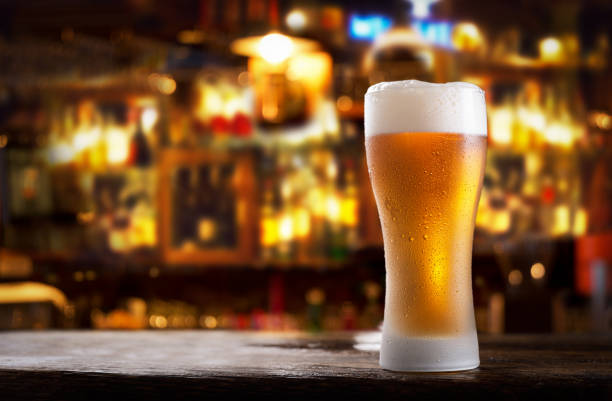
(207, 207)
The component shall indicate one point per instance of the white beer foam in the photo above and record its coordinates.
(416, 106)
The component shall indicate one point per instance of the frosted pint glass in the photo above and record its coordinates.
(426, 146)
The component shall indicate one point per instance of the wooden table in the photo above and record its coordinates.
(202, 365)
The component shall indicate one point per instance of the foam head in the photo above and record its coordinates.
(416, 106)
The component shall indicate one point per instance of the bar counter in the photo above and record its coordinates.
(54, 365)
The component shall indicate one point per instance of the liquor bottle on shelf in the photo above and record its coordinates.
(99, 151)
(185, 208)
(268, 229)
(286, 236)
(336, 249)
(349, 207)
(140, 152)
(206, 216)
(225, 206)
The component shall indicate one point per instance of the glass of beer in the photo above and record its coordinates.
(426, 147)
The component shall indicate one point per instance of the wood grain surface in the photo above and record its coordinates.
(85, 365)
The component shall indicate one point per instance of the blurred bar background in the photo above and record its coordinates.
(200, 164)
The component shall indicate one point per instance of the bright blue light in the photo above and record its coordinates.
(435, 32)
(368, 27)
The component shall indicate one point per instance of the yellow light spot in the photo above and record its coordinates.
(285, 228)
(317, 202)
(349, 212)
(165, 84)
(344, 103)
(118, 146)
(333, 208)
(301, 222)
(315, 296)
(604, 121)
(561, 220)
(209, 322)
(206, 229)
(78, 276)
(275, 48)
(515, 277)
(149, 118)
(61, 153)
(191, 37)
(85, 217)
(580, 222)
(559, 134)
(296, 20)
(331, 170)
(500, 221)
(537, 271)
(501, 126)
(550, 49)
(269, 231)
(466, 36)
(161, 322)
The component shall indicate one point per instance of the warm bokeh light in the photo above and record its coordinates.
(561, 220)
(191, 36)
(537, 271)
(117, 146)
(580, 222)
(501, 126)
(60, 153)
(275, 48)
(149, 118)
(301, 222)
(551, 49)
(285, 228)
(515, 277)
(344, 103)
(467, 37)
(163, 83)
(296, 20)
(333, 209)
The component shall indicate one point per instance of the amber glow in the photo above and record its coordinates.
(301, 222)
(348, 211)
(551, 49)
(537, 271)
(429, 262)
(118, 146)
(515, 277)
(268, 231)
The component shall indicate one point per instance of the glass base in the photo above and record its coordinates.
(429, 354)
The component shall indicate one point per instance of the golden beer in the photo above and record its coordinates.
(427, 187)
(427, 179)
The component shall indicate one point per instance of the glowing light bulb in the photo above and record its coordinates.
(296, 20)
(275, 48)
(149, 117)
(550, 49)
(285, 228)
(118, 146)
